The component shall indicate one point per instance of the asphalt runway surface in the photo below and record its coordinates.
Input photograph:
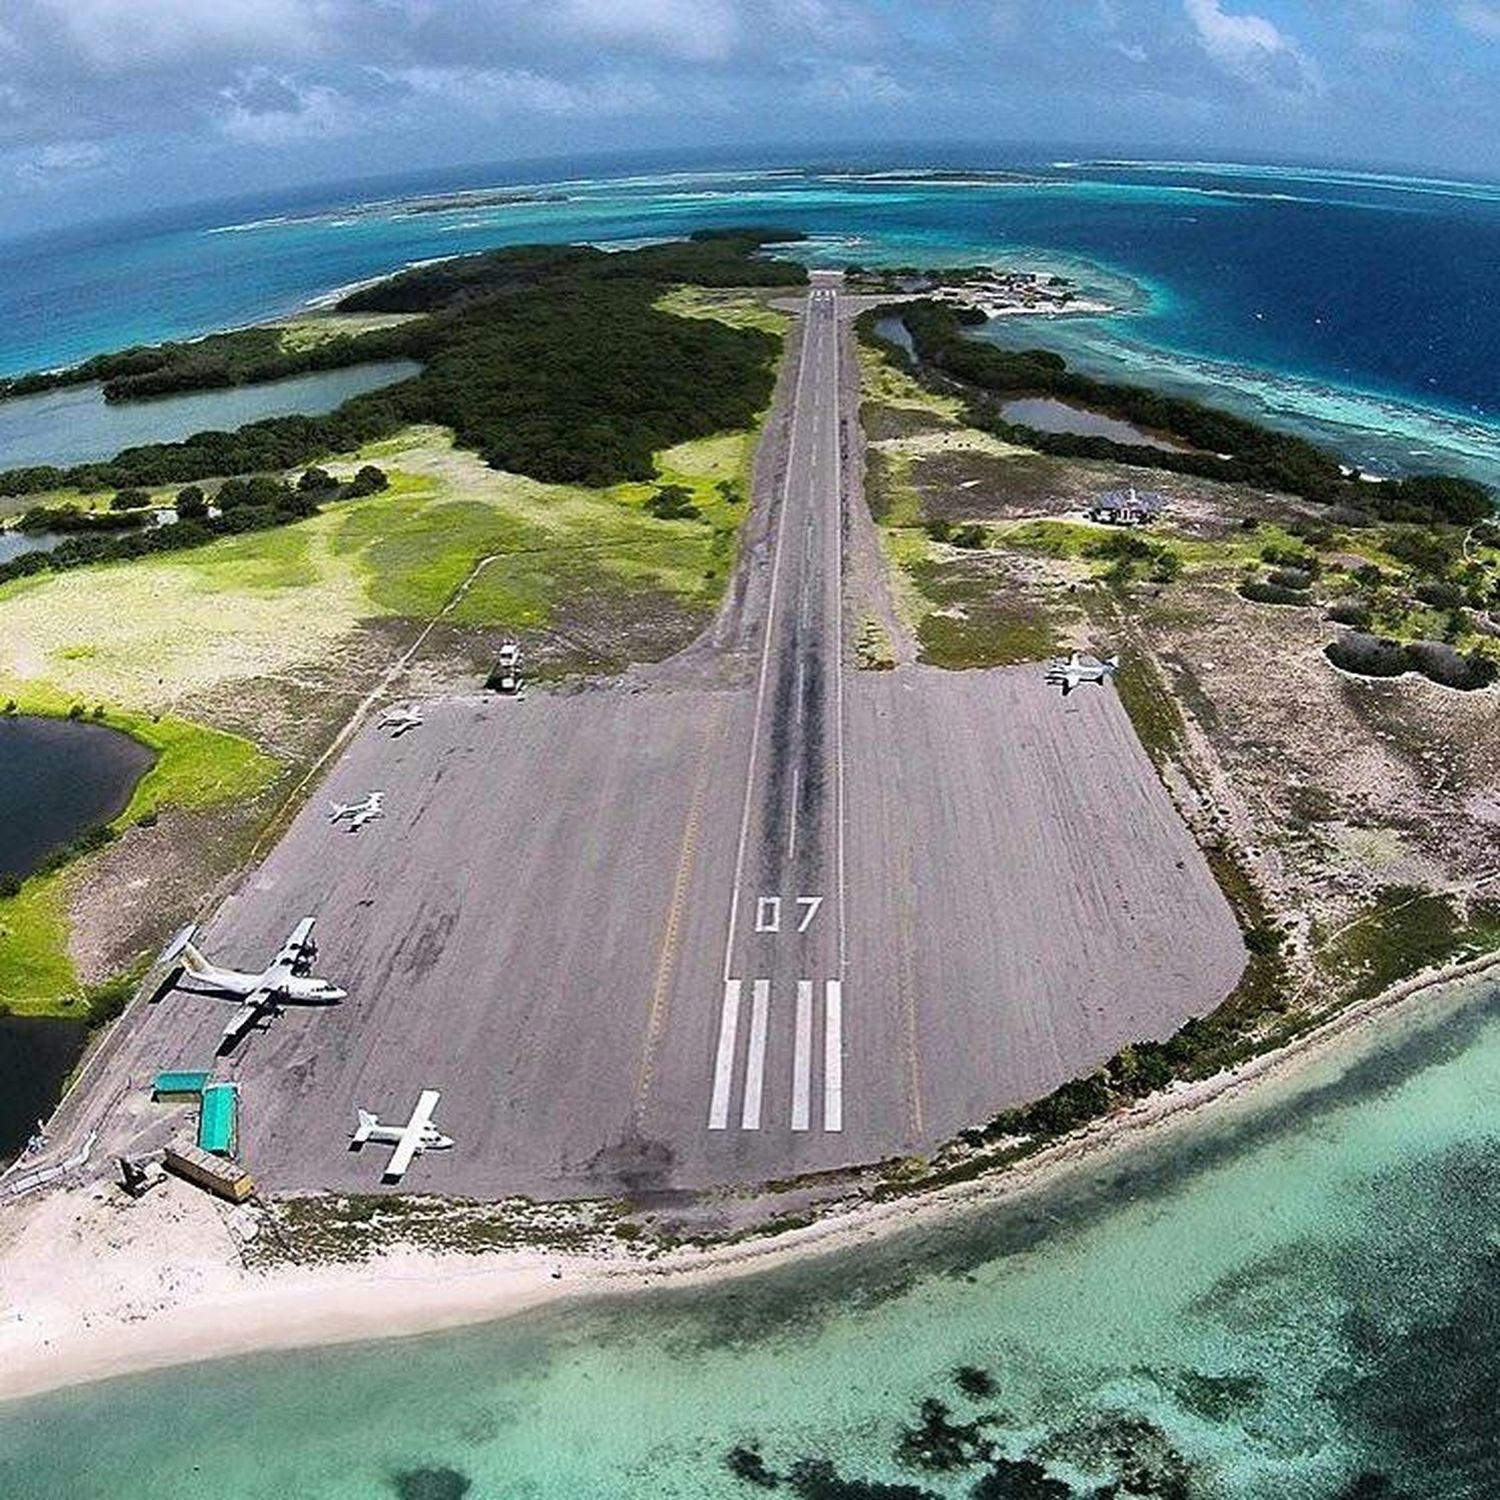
(661, 935)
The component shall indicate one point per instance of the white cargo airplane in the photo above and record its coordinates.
(399, 720)
(417, 1135)
(359, 813)
(1079, 669)
(286, 982)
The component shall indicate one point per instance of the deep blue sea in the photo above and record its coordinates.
(1354, 307)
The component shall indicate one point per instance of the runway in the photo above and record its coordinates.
(751, 915)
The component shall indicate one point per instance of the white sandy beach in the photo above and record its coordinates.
(93, 1285)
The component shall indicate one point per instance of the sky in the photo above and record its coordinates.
(112, 106)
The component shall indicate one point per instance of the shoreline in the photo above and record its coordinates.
(165, 1313)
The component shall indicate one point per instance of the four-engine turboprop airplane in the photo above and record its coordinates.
(1078, 669)
(399, 720)
(286, 982)
(417, 1135)
(359, 813)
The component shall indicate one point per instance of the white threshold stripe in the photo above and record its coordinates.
(729, 1020)
(833, 1055)
(802, 1057)
(755, 1067)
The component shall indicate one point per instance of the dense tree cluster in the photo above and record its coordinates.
(244, 356)
(253, 504)
(1219, 445)
(549, 360)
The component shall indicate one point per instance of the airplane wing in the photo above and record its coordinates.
(245, 1016)
(411, 1137)
(1076, 659)
(291, 950)
(1068, 684)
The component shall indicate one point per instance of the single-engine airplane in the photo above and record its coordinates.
(417, 1135)
(399, 720)
(1078, 669)
(359, 813)
(287, 981)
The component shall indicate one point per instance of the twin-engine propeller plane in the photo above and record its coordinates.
(287, 981)
(417, 1135)
(1078, 669)
(358, 813)
(399, 720)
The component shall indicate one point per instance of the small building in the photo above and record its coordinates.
(225, 1178)
(174, 1087)
(219, 1119)
(1130, 507)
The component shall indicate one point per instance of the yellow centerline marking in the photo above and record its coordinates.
(666, 962)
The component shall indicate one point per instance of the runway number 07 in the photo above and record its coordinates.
(768, 912)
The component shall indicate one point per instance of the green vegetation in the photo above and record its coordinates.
(255, 504)
(194, 767)
(244, 356)
(1221, 446)
(551, 361)
(1405, 930)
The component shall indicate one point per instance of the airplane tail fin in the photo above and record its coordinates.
(1112, 662)
(193, 960)
(366, 1124)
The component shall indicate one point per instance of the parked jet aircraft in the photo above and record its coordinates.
(359, 813)
(417, 1135)
(1078, 669)
(286, 982)
(399, 720)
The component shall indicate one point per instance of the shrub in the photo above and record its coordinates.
(1438, 595)
(1296, 579)
(368, 481)
(1440, 663)
(130, 500)
(191, 504)
(1367, 655)
(1350, 612)
(673, 502)
(315, 481)
(1271, 593)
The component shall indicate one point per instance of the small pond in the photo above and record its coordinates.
(77, 425)
(1048, 414)
(14, 543)
(58, 778)
(36, 1057)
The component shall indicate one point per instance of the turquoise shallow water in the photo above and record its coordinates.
(1358, 309)
(1297, 1291)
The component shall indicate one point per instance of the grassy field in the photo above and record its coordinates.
(739, 309)
(195, 767)
(130, 644)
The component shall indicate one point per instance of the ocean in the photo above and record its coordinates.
(1293, 1296)
(1276, 1299)
(1352, 307)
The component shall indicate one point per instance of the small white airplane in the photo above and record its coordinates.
(286, 982)
(417, 1135)
(358, 813)
(399, 720)
(1078, 669)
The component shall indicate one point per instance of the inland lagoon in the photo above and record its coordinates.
(59, 778)
(75, 424)
(1292, 1294)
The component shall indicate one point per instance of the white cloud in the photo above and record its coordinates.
(502, 91)
(1252, 48)
(60, 161)
(855, 86)
(1482, 19)
(263, 108)
(693, 30)
(123, 36)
